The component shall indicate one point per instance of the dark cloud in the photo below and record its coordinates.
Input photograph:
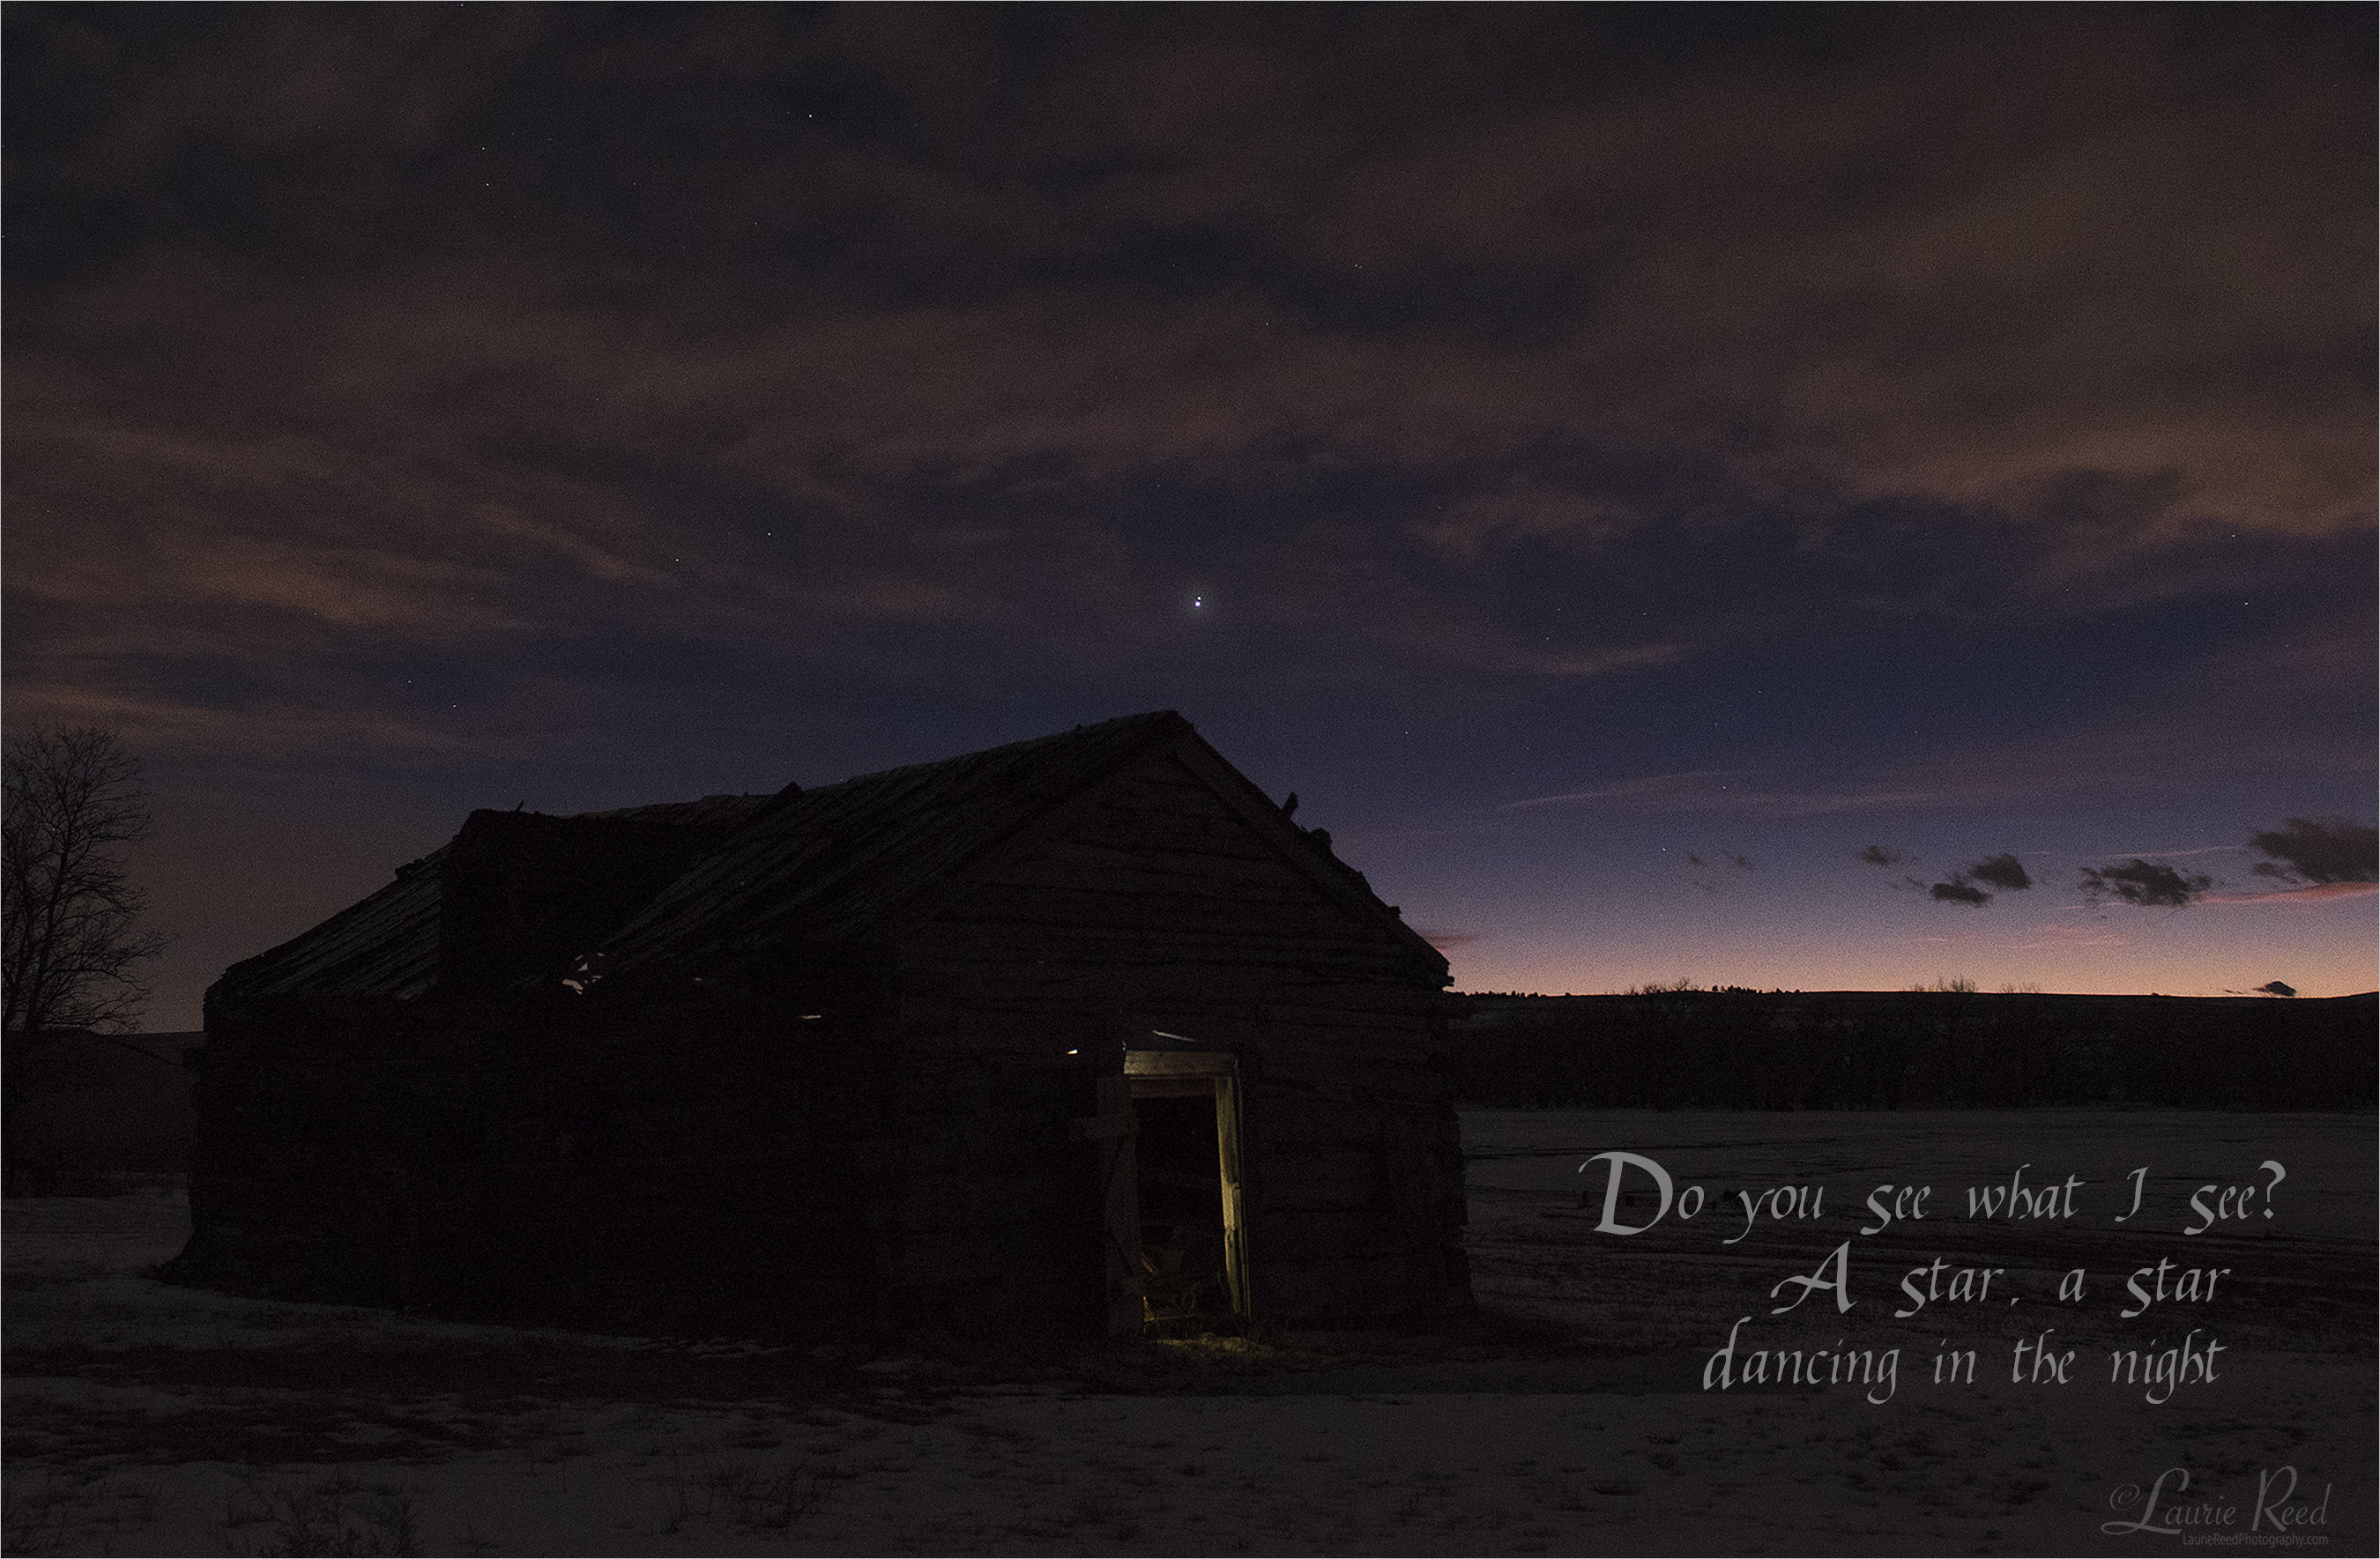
(1742, 863)
(2149, 885)
(1694, 859)
(1881, 855)
(2277, 987)
(2320, 850)
(2003, 871)
(2000, 871)
(938, 332)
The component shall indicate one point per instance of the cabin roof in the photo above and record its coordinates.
(825, 867)
(386, 945)
(842, 862)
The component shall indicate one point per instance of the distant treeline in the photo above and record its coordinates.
(94, 1114)
(1740, 1049)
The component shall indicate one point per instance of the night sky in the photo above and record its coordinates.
(1679, 494)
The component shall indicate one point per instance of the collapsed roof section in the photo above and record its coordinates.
(512, 895)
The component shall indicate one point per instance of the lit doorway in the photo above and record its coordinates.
(1193, 1237)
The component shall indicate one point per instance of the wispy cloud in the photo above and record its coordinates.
(2182, 854)
(1653, 789)
(1744, 792)
(258, 732)
(2063, 938)
(2311, 894)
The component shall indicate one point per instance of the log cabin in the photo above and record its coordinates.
(1075, 1036)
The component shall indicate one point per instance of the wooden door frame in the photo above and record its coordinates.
(1165, 1071)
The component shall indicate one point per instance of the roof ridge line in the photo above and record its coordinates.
(1150, 715)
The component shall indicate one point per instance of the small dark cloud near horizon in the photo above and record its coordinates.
(2003, 872)
(1742, 863)
(1882, 856)
(2277, 987)
(2320, 850)
(2147, 884)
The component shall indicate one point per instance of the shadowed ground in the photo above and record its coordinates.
(1570, 1419)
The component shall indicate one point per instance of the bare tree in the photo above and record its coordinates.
(70, 941)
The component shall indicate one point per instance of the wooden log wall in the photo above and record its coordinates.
(707, 1171)
(994, 1226)
(1152, 904)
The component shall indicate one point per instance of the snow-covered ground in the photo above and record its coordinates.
(146, 1419)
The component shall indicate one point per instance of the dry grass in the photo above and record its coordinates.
(755, 1495)
(332, 1516)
